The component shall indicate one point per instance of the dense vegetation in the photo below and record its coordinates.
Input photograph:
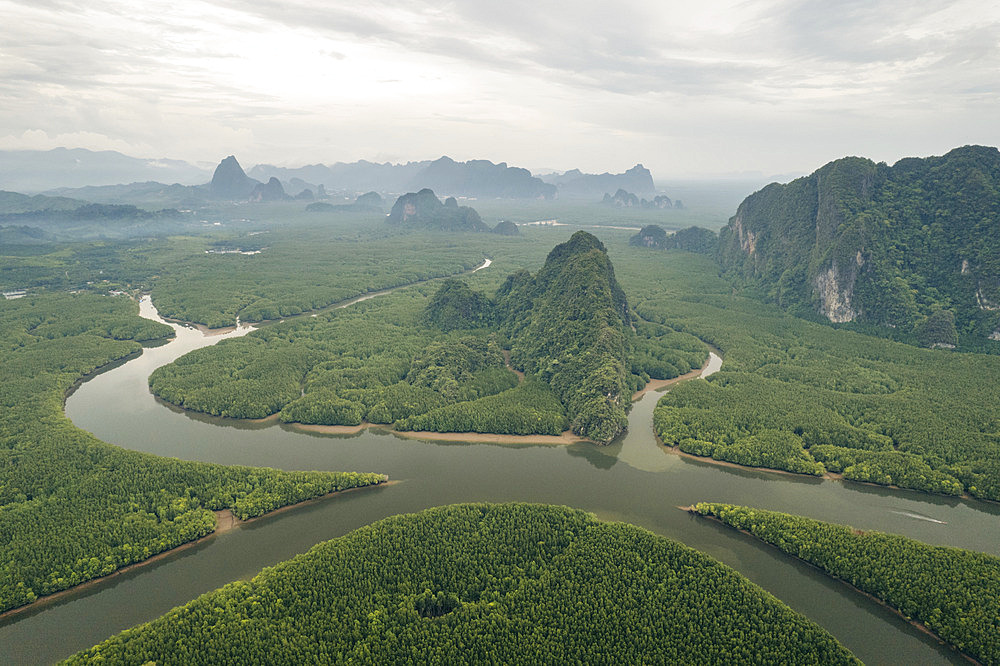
(373, 361)
(878, 244)
(310, 263)
(568, 325)
(512, 584)
(953, 592)
(455, 305)
(694, 239)
(326, 271)
(565, 327)
(73, 508)
(808, 398)
(527, 409)
(651, 235)
(506, 228)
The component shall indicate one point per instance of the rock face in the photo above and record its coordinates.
(575, 184)
(230, 182)
(269, 191)
(835, 293)
(423, 210)
(886, 245)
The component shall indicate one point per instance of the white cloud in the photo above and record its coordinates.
(36, 139)
(682, 86)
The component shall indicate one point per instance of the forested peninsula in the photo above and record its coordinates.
(483, 583)
(73, 508)
(804, 397)
(953, 592)
(423, 360)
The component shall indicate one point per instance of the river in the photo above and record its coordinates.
(634, 480)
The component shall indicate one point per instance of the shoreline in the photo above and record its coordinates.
(566, 437)
(827, 476)
(101, 369)
(659, 384)
(225, 522)
(920, 626)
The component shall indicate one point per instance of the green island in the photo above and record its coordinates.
(73, 508)
(951, 591)
(484, 583)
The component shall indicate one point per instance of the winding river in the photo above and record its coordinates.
(634, 480)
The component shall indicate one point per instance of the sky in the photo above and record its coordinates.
(689, 89)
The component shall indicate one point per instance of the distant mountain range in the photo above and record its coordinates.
(623, 199)
(576, 184)
(113, 178)
(475, 178)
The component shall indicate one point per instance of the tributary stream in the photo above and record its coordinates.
(634, 480)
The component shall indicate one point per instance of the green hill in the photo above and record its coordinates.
(878, 244)
(569, 326)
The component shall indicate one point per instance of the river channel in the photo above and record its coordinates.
(633, 480)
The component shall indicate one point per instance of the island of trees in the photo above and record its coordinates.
(481, 583)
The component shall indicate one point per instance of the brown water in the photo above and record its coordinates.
(634, 480)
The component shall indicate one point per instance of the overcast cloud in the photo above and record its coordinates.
(687, 88)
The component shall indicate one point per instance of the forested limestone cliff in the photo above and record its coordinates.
(886, 245)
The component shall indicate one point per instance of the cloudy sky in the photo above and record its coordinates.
(687, 88)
